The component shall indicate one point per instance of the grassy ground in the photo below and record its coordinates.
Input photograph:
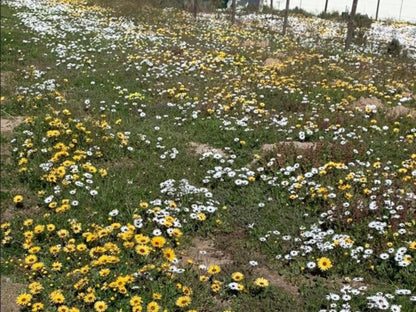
(161, 165)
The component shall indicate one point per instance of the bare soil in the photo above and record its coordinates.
(8, 124)
(201, 148)
(9, 293)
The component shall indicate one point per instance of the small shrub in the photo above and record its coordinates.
(330, 16)
(362, 21)
(394, 48)
(301, 12)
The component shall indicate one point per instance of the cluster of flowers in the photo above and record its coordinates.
(60, 152)
(349, 295)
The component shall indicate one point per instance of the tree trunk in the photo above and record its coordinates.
(233, 8)
(326, 6)
(195, 8)
(351, 25)
(286, 17)
(378, 6)
(271, 5)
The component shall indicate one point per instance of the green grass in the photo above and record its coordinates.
(120, 121)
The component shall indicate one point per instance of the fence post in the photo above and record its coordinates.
(351, 25)
(286, 17)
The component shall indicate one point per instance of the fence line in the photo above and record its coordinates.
(400, 10)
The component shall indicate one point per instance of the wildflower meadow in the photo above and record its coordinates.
(162, 162)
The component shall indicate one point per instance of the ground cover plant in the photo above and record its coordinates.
(167, 163)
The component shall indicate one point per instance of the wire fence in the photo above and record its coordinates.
(399, 10)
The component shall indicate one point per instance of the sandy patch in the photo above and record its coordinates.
(276, 280)
(5, 78)
(9, 292)
(201, 148)
(8, 124)
(204, 252)
(296, 144)
(273, 62)
(376, 104)
(256, 43)
(398, 111)
(363, 102)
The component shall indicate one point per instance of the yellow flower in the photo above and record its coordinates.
(187, 291)
(136, 300)
(54, 249)
(177, 233)
(261, 282)
(5, 225)
(412, 245)
(89, 298)
(214, 269)
(50, 227)
(57, 297)
(100, 306)
(104, 272)
(31, 259)
(24, 299)
(63, 308)
(38, 266)
(144, 205)
(216, 286)
(35, 288)
(81, 247)
(56, 266)
(183, 301)
(169, 254)
(201, 216)
(39, 229)
(237, 276)
(143, 250)
(157, 296)
(324, 263)
(18, 199)
(158, 241)
(38, 306)
(153, 307)
(63, 233)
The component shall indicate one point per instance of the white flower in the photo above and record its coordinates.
(157, 232)
(334, 297)
(395, 308)
(233, 286)
(253, 263)
(48, 199)
(113, 213)
(403, 292)
(138, 223)
(346, 297)
(384, 256)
